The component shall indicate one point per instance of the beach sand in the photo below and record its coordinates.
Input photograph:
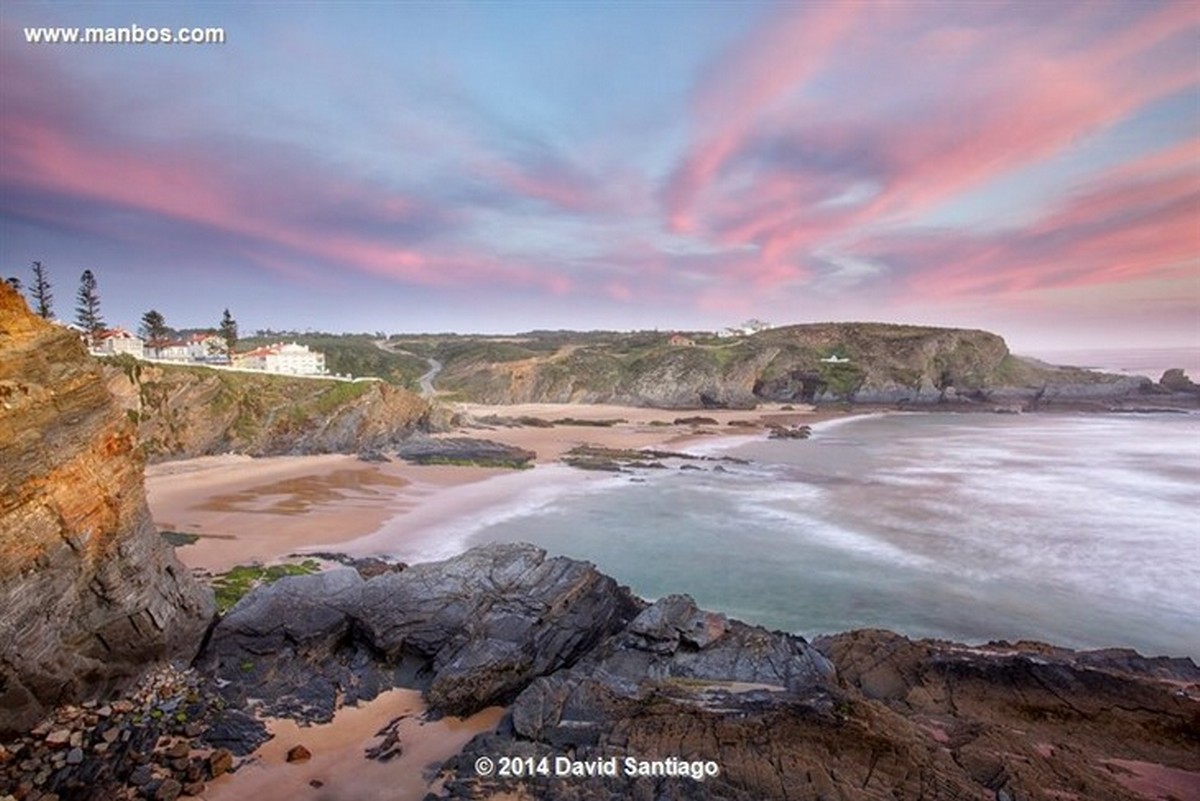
(338, 769)
(248, 510)
(259, 510)
(263, 510)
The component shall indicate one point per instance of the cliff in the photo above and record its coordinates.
(183, 412)
(91, 594)
(819, 363)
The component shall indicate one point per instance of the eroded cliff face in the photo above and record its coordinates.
(90, 593)
(183, 412)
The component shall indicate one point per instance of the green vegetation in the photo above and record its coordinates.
(231, 586)
(842, 380)
(352, 354)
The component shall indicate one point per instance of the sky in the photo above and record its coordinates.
(1029, 168)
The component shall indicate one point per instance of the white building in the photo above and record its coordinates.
(202, 347)
(172, 350)
(116, 341)
(290, 359)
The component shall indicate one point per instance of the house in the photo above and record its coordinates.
(172, 350)
(207, 347)
(680, 341)
(116, 341)
(835, 359)
(291, 359)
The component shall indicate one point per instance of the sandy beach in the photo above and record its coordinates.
(247, 510)
(258, 510)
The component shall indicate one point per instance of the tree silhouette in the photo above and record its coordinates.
(87, 312)
(42, 297)
(229, 330)
(154, 329)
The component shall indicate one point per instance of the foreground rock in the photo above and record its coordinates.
(680, 703)
(473, 631)
(739, 713)
(90, 594)
(157, 741)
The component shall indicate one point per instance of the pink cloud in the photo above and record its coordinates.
(786, 53)
(1137, 222)
(774, 171)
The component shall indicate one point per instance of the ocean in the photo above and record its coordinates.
(1078, 530)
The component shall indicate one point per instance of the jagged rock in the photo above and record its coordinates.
(898, 718)
(464, 450)
(474, 629)
(1176, 380)
(91, 594)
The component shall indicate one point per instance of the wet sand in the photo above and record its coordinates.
(248, 510)
(338, 749)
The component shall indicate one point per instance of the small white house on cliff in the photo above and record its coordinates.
(116, 341)
(289, 359)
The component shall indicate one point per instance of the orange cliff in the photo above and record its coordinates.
(91, 594)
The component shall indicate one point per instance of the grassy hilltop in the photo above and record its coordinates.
(814, 363)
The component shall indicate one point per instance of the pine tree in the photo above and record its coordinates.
(154, 329)
(229, 330)
(41, 292)
(87, 313)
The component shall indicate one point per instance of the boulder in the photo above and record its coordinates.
(473, 631)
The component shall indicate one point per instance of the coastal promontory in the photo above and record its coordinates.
(91, 595)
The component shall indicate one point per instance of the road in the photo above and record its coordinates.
(426, 380)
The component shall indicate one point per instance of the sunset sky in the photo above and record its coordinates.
(1032, 169)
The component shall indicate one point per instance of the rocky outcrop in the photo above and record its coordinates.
(182, 412)
(464, 451)
(1176, 380)
(714, 709)
(91, 594)
(668, 701)
(473, 630)
(866, 363)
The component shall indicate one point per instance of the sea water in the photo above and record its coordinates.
(1079, 530)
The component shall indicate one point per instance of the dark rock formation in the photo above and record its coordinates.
(596, 677)
(1176, 380)
(473, 630)
(90, 594)
(898, 719)
(464, 451)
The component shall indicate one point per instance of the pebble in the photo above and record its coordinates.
(298, 753)
(75, 756)
(169, 790)
(219, 762)
(58, 738)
